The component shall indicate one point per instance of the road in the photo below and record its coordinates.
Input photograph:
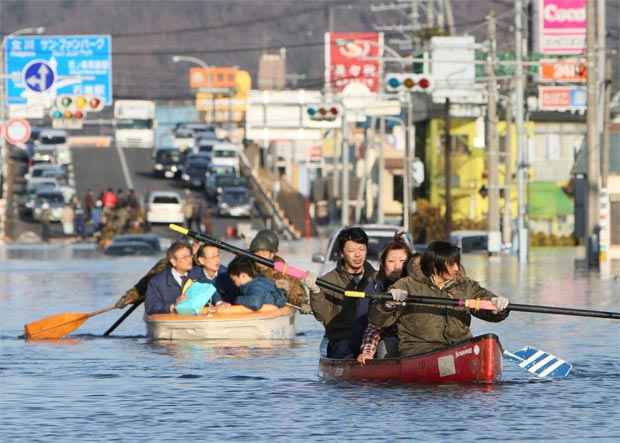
(100, 168)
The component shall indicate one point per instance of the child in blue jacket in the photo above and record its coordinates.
(254, 291)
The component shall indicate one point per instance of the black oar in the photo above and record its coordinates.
(122, 318)
(277, 265)
(487, 305)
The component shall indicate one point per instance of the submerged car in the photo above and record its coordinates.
(151, 239)
(378, 238)
(128, 248)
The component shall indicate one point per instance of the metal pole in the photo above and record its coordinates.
(381, 170)
(507, 218)
(592, 205)
(520, 132)
(6, 199)
(494, 241)
(407, 168)
(448, 168)
(345, 171)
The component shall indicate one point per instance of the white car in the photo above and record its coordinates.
(226, 155)
(53, 140)
(164, 207)
(378, 238)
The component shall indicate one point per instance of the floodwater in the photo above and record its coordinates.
(125, 388)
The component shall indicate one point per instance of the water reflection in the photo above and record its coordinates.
(208, 350)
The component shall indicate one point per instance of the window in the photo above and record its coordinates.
(397, 188)
(552, 146)
(167, 200)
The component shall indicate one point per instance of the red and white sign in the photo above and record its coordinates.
(558, 71)
(562, 26)
(562, 98)
(17, 130)
(353, 57)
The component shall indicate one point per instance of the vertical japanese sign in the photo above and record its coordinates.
(562, 26)
(353, 57)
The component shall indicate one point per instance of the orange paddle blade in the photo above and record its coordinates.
(59, 325)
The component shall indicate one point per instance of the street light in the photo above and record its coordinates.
(7, 198)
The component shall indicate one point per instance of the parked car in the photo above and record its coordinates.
(53, 147)
(183, 139)
(216, 183)
(195, 170)
(226, 154)
(235, 202)
(27, 202)
(164, 207)
(129, 248)
(378, 238)
(167, 162)
(36, 182)
(470, 241)
(54, 199)
(48, 170)
(151, 239)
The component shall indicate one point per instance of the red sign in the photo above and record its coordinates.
(570, 71)
(562, 98)
(17, 130)
(353, 57)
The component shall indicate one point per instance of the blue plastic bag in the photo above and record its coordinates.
(198, 295)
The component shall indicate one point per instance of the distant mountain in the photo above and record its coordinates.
(147, 33)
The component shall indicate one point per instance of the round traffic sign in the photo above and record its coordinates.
(39, 76)
(17, 130)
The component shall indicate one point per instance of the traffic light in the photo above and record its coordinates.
(323, 112)
(408, 83)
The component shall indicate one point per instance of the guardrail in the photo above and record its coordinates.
(282, 222)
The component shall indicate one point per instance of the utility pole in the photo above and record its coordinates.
(603, 130)
(345, 220)
(507, 218)
(522, 157)
(592, 140)
(494, 242)
(407, 181)
(447, 169)
(381, 170)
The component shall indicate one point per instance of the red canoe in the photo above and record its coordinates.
(477, 360)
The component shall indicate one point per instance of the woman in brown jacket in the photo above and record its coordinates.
(425, 328)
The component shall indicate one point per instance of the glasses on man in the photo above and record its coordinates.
(210, 257)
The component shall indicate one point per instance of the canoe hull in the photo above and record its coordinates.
(236, 322)
(478, 360)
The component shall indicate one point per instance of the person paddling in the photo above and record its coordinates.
(345, 319)
(426, 328)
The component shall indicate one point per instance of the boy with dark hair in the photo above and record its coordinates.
(255, 290)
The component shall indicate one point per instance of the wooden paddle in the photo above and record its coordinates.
(59, 325)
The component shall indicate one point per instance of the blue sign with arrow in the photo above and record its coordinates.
(38, 76)
(57, 65)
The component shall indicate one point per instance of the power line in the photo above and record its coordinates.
(243, 23)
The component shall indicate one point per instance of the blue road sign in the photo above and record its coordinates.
(78, 64)
(38, 76)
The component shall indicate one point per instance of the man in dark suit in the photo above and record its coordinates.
(210, 270)
(164, 290)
